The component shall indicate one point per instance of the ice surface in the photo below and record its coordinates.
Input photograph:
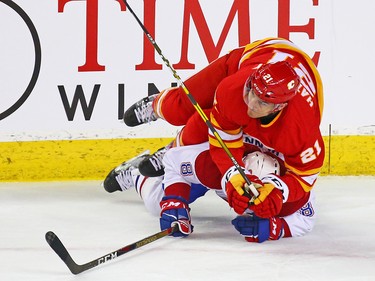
(91, 223)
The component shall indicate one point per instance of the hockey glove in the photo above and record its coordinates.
(269, 202)
(258, 230)
(233, 183)
(175, 210)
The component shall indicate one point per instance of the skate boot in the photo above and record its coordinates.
(141, 112)
(152, 165)
(121, 177)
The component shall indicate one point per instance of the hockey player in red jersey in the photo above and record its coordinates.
(271, 91)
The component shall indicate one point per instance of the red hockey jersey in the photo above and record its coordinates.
(293, 136)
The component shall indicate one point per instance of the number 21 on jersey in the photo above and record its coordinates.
(311, 153)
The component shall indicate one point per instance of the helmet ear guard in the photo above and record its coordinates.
(274, 82)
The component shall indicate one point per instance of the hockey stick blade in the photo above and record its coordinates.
(62, 252)
(75, 268)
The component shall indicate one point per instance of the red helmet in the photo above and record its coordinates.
(274, 82)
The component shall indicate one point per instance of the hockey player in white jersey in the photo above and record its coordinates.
(189, 174)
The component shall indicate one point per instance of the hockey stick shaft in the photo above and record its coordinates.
(75, 268)
(251, 187)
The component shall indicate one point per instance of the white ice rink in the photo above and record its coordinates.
(92, 223)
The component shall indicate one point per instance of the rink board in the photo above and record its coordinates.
(93, 159)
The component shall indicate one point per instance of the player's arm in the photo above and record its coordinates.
(302, 169)
(175, 211)
(232, 139)
(173, 105)
(227, 116)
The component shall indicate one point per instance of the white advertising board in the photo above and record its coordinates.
(69, 69)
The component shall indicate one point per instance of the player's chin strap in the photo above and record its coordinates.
(250, 189)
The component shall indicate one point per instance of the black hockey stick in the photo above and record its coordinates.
(75, 268)
(250, 189)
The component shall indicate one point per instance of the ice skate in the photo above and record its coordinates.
(141, 112)
(121, 177)
(152, 165)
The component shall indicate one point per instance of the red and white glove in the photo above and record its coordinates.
(175, 210)
(266, 205)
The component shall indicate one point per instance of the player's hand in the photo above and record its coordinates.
(175, 210)
(234, 184)
(269, 202)
(256, 229)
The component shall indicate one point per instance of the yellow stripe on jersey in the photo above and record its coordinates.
(298, 175)
(229, 132)
(318, 81)
(306, 187)
(252, 47)
(213, 120)
(302, 173)
(317, 77)
(158, 103)
(230, 144)
(273, 120)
